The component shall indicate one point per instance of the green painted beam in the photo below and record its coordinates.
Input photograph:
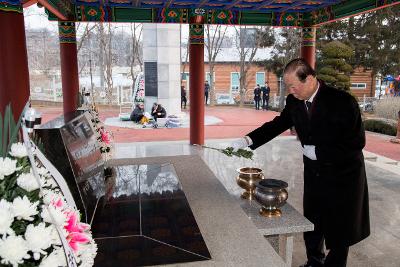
(225, 17)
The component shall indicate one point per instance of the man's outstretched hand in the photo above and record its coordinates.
(239, 143)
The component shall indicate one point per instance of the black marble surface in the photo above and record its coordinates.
(145, 206)
(139, 213)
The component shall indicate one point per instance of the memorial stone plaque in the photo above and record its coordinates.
(150, 79)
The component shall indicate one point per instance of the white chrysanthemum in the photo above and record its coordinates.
(24, 209)
(55, 238)
(6, 217)
(27, 181)
(38, 238)
(13, 250)
(56, 258)
(18, 150)
(7, 167)
(60, 219)
(87, 253)
(52, 196)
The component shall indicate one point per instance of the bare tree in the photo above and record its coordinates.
(135, 56)
(106, 58)
(247, 46)
(213, 44)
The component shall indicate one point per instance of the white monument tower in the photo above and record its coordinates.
(161, 57)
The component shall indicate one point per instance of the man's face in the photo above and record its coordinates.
(301, 90)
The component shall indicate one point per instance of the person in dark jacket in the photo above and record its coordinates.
(157, 111)
(206, 90)
(137, 113)
(183, 97)
(329, 126)
(257, 96)
(265, 96)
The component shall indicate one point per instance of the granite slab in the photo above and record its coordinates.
(232, 239)
(291, 221)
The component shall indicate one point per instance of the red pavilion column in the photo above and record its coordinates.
(14, 74)
(308, 45)
(69, 65)
(196, 79)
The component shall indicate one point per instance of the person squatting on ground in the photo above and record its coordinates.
(157, 111)
(137, 113)
(329, 126)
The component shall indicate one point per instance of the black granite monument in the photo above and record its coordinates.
(139, 215)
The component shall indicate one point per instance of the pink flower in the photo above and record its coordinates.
(74, 239)
(105, 136)
(76, 231)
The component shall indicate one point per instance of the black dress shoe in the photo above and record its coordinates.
(309, 264)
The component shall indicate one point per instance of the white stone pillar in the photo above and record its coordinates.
(161, 45)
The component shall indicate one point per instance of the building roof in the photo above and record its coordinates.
(226, 55)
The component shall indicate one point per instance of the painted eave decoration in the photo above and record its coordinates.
(230, 12)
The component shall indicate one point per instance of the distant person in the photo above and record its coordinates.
(157, 111)
(206, 90)
(257, 96)
(183, 97)
(137, 113)
(265, 96)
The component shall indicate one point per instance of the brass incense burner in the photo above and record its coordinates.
(272, 195)
(247, 178)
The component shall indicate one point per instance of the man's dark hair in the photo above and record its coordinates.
(301, 67)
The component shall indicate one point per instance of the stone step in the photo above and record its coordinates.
(382, 162)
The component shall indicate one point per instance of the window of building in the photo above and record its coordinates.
(260, 78)
(358, 86)
(235, 83)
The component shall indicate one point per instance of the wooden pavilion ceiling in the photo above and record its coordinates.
(241, 12)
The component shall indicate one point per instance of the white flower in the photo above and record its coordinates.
(60, 219)
(18, 150)
(6, 217)
(56, 258)
(49, 196)
(7, 167)
(38, 238)
(13, 250)
(28, 182)
(87, 253)
(24, 209)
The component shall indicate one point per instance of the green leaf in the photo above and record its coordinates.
(1, 133)
(14, 130)
(5, 132)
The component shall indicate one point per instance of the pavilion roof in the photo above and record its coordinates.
(229, 12)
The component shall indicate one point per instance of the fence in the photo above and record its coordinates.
(119, 95)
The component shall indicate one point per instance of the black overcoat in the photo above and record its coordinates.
(339, 194)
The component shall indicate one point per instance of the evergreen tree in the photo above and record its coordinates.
(332, 66)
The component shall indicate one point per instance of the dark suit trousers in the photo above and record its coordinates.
(313, 206)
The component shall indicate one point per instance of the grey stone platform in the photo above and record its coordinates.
(290, 222)
(232, 239)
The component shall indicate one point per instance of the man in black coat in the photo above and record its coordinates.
(257, 96)
(330, 129)
(265, 96)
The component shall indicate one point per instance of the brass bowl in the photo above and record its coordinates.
(272, 195)
(247, 178)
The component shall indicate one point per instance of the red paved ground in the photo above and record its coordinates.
(236, 123)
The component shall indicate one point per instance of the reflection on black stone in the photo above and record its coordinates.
(139, 213)
(139, 251)
(146, 203)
